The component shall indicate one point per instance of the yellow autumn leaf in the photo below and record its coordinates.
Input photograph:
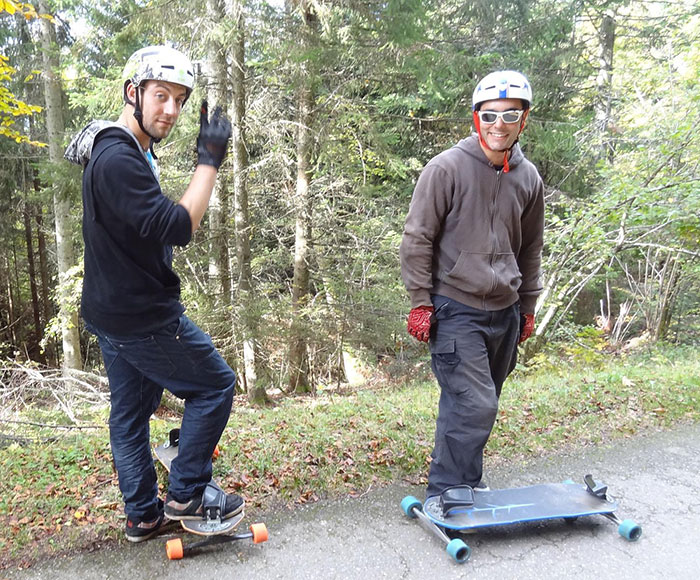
(8, 6)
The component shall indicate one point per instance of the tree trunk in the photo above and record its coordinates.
(47, 312)
(35, 347)
(64, 244)
(668, 305)
(10, 319)
(48, 343)
(217, 94)
(244, 300)
(658, 289)
(16, 288)
(298, 356)
(603, 107)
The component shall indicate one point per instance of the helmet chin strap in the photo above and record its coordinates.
(138, 115)
(506, 152)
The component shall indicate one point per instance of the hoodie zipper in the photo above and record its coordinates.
(492, 233)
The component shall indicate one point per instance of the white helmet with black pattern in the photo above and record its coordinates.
(159, 63)
(156, 63)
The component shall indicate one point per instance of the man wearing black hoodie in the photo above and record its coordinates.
(131, 295)
(470, 260)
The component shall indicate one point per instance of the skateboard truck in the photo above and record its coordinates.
(176, 549)
(598, 490)
(455, 547)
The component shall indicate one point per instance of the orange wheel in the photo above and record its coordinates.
(259, 533)
(216, 453)
(174, 549)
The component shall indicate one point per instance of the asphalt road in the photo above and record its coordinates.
(653, 476)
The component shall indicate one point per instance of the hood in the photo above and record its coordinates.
(80, 148)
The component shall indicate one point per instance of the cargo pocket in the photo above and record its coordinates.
(445, 352)
(446, 366)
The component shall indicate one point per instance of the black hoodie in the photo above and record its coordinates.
(129, 227)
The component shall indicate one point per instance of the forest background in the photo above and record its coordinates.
(336, 107)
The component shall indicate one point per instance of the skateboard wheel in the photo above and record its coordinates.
(259, 532)
(216, 453)
(630, 530)
(408, 504)
(459, 551)
(174, 549)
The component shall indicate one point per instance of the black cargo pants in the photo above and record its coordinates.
(473, 351)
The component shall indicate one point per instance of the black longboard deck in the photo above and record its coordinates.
(518, 505)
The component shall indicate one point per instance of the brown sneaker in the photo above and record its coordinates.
(138, 530)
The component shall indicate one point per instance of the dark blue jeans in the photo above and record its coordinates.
(181, 358)
(472, 353)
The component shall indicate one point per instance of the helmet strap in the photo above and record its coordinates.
(138, 114)
(477, 125)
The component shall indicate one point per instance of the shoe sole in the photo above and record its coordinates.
(167, 523)
(191, 517)
(137, 539)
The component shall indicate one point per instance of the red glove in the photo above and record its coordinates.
(528, 327)
(419, 322)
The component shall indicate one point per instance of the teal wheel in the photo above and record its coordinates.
(408, 503)
(569, 481)
(630, 530)
(459, 551)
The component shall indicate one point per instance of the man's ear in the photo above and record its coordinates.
(522, 123)
(129, 93)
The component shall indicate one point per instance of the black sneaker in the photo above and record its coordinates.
(138, 530)
(192, 509)
(481, 486)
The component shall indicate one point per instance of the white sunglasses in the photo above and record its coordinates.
(490, 117)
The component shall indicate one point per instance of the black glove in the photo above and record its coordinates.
(214, 135)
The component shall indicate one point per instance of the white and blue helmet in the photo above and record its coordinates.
(502, 84)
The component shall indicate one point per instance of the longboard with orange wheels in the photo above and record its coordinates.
(215, 529)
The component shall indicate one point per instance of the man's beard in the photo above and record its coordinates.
(158, 131)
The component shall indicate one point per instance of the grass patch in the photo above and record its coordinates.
(305, 448)
(579, 406)
(61, 494)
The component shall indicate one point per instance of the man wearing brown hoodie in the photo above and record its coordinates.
(470, 260)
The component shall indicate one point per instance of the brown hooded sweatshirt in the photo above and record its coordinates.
(474, 233)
